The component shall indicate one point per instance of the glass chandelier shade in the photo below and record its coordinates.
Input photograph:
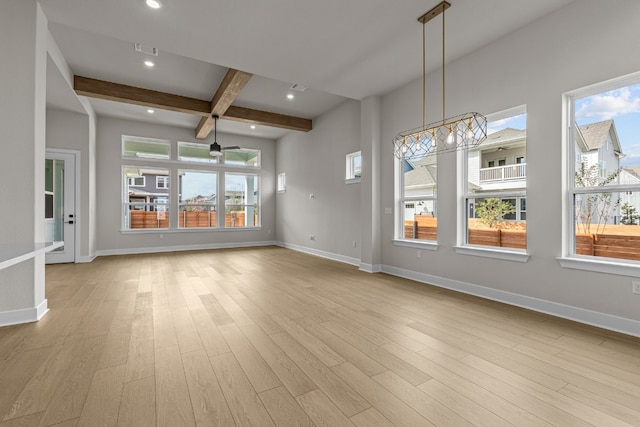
(455, 133)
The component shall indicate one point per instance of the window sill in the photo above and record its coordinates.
(417, 244)
(605, 265)
(506, 255)
(352, 181)
(187, 230)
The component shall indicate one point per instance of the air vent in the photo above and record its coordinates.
(146, 49)
(298, 87)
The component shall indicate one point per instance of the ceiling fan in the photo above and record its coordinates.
(215, 149)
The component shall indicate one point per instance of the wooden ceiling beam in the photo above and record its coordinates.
(134, 95)
(232, 83)
(101, 89)
(265, 118)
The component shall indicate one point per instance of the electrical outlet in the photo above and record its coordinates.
(635, 287)
(312, 237)
(354, 244)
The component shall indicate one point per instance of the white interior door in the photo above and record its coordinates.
(60, 212)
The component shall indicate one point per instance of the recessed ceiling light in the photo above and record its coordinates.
(253, 126)
(290, 96)
(154, 4)
(149, 63)
(150, 111)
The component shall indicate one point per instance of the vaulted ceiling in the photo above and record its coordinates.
(338, 49)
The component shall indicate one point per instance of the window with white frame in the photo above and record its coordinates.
(162, 182)
(145, 148)
(416, 214)
(242, 157)
(147, 180)
(282, 183)
(603, 200)
(353, 166)
(137, 181)
(495, 195)
(197, 201)
(195, 152)
(241, 200)
(144, 206)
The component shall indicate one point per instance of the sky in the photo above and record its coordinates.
(621, 105)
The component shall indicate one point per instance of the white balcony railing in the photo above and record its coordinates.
(503, 173)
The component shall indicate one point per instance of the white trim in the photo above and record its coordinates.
(180, 248)
(352, 180)
(77, 155)
(416, 244)
(322, 254)
(589, 317)
(25, 315)
(507, 255)
(370, 268)
(605, 265)
(85, 259)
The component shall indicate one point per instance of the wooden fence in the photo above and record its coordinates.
(609, 245)
(618, 241)
(190, 219)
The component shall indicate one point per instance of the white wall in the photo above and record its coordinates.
(584, 43)
(72, 131)
(314, 163)
(109, 191)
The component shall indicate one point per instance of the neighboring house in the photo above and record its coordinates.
(629, 175)
(499, 165)
(150, 188)
(598, 144)
(420, 179)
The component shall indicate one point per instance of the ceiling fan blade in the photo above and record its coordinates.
(233, 147)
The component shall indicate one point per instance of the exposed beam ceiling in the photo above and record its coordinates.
(232, 83)
(134, 95)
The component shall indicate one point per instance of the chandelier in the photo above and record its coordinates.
(455, 133)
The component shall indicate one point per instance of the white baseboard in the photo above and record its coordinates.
(85, 259)
(25, 315)
(158, 249)
(593, 318)
(370, 268)
(323, 254)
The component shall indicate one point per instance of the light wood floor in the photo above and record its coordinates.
(269, 336)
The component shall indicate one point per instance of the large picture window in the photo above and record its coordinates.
(241, 196)
(145, 206)
(179, 187)
(496, 183)
(197, 199)
(604, 171)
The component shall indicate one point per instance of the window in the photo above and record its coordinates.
(417, 212)
(354, 167)
(137, 181)
(242, 157)
(151, 203)
(194, 152)
(604, 180)
(144, 207)
(197, 199)
(162, 182)
(495, 196)
(241, 200)
(282, 182)
(145, 148)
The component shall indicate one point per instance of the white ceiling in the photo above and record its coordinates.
(339, 49)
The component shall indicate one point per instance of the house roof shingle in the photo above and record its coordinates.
(595, 134)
